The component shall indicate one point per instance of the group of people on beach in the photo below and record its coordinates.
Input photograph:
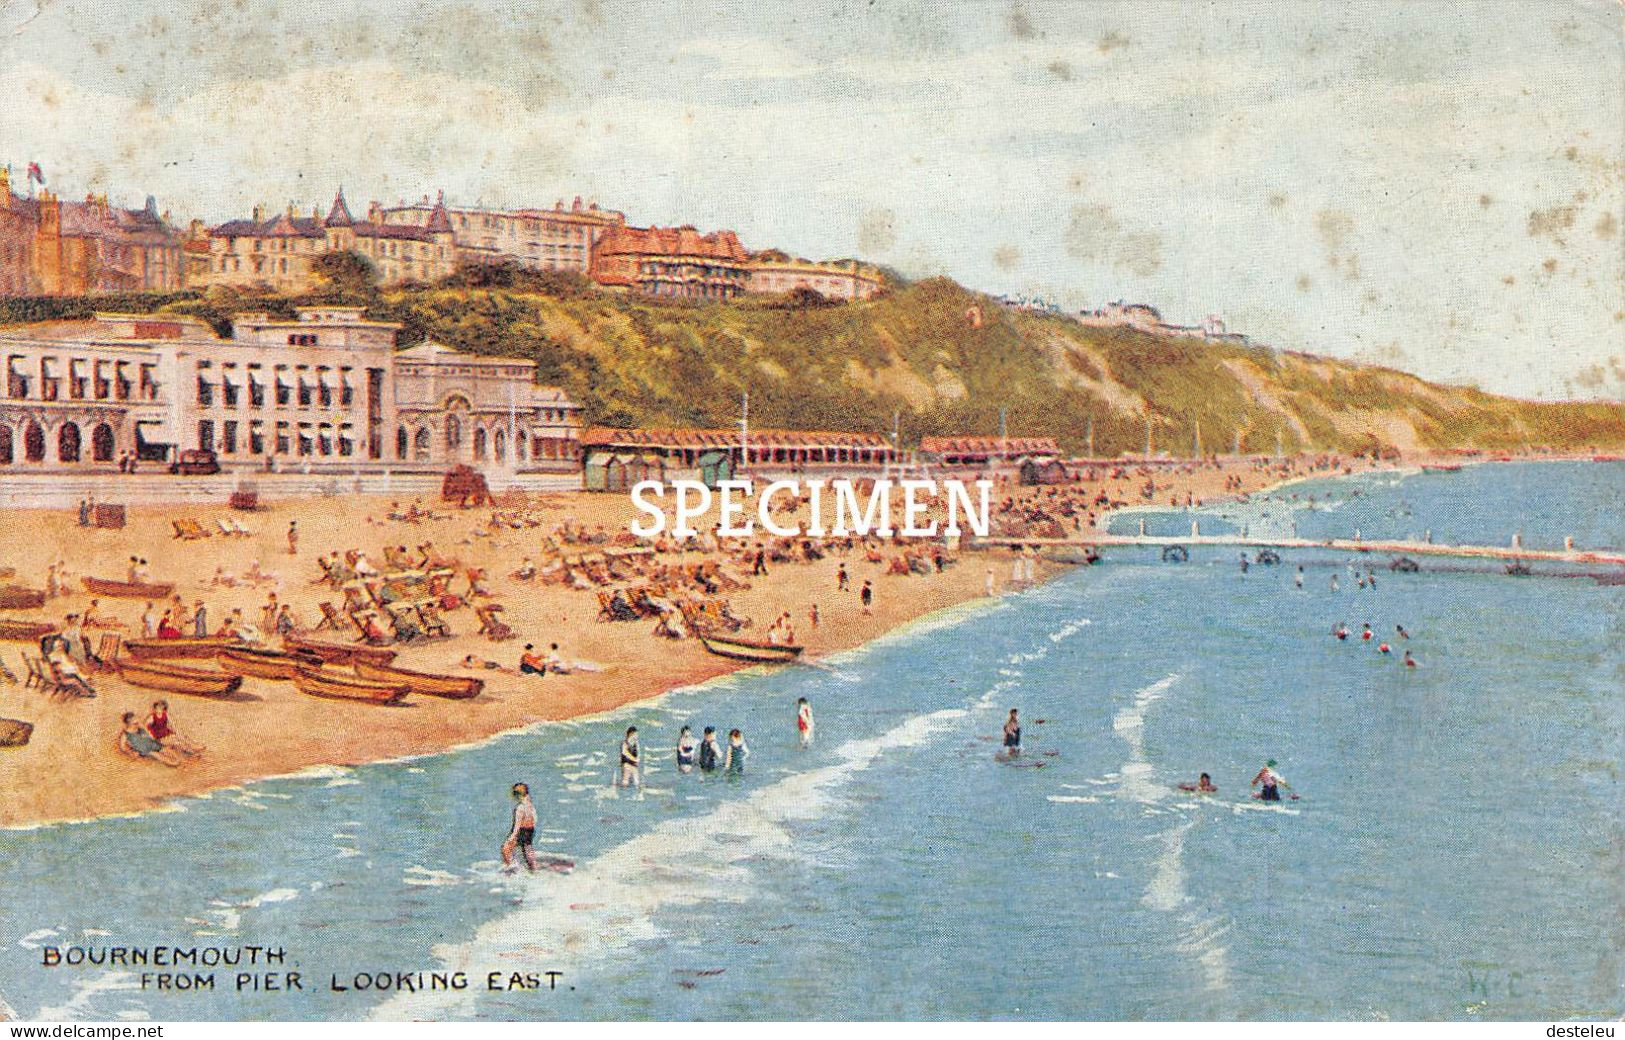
(155, 739)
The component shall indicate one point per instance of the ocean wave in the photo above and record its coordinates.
(610, 902)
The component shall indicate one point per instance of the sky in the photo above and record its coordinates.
(1432, 185)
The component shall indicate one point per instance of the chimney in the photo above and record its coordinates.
(259, 213)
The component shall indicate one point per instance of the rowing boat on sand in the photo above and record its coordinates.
(750, 649)
(174, 678)
(452, 687)
(322, 683)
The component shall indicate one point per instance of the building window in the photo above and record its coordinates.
(228, 439)
(306, 445)
(205, 434)
(400, 442)
(67, 443)
(101, 443)
(283, 444)
(256, 437)
(422, 449)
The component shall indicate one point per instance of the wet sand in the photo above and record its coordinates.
(70, 769)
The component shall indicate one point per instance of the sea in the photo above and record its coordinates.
(1453, 851)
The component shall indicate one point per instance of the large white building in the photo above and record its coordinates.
(326, 390)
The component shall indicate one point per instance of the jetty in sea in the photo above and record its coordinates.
(1513, 552)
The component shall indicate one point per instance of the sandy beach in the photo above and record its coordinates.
(70, 769)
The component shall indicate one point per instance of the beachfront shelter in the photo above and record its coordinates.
(1036, 471)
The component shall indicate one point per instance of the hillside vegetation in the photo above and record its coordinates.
(915, 354)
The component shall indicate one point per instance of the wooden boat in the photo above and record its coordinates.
(340, 653)
(750, 649)
(130, 589)
(20, 631)
(452, 687)
(200, 647)
(265, 664)
(15, 732)
(321, 683)
(19, 597)
(160, 675)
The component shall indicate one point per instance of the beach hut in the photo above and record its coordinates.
(714, 467)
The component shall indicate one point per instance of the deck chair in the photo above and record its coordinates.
(225, 528)
(331, 618)
(605, 613)
(107, 650)
(36, 675)
(180, 528)
(238, 529)
(7, 674)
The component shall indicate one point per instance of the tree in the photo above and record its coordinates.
(345, 270)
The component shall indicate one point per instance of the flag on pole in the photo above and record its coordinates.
(34, 174)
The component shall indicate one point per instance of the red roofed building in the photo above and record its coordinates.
(674, 262)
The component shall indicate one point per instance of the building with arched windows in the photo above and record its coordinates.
(323, 391)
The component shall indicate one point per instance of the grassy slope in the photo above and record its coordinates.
(636, 361)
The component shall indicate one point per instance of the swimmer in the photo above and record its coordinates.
(685, 750)
(631, 761)
(734, 764)
(1383, 648)
(1298, 580)
(1341, 631)
(1203, 785)
(1365, 633)
(1270, 783)
(1410, 662)
(1012, 734)
(523, 832)
(1334, 583)
(710, 754)
(804, 722)
(1400, 630)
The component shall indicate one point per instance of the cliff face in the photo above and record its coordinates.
(943, 360)
(919, 355)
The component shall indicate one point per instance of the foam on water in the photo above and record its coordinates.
(610, 902)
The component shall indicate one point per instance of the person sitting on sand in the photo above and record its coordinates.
(158, 728)
(532, 663)
(135, 742)
(555, 662)
(285, 624)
